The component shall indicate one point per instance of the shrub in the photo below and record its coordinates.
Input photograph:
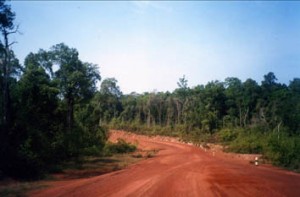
(227, 135)
(247, 143)
(139, 155)
(120, 147)
(283, 151)
(92, 150)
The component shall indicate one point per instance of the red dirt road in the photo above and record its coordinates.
(181, 170)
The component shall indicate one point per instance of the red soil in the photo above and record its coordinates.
(181, 170)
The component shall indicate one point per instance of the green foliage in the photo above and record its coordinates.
(196, 136)
(30, 164)
(120, 147)
(42, 136)
(228, 135)
(92, 151)
(50, 115)
(247, 143)
(283, 151)
(243, 140)
(239, 114)
(280, 149)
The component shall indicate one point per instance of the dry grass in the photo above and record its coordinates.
(94, 166)
(85, 167)
(9, 188)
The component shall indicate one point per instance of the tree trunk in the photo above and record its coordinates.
(240, 113)
(178, 111)
(139, 115)
(70, 115)
(149, 118)
(245, 117)
(169, 116)
(169, 111)
(160, 114)
(168, 120)
(278, 130)
(185, 111)
(5, 84)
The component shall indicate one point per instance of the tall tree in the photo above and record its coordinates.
(76, 80)
(251, 93)
(33, 134)
(109, 99)
(7, 27)
(234, 98)
(181, 97)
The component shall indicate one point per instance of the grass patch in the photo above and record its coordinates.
(117, 156)
(151, 153)
(120, 147)
(16, 188)
(85, 167)
(90, 166)
(145, 154)
(139, 155)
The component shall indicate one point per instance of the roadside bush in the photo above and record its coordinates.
(196, 136)
(120, 147)
(92, 151)
(139, 155)
(180, 128)
(29, 163)
(283, 151)
(227, 135)
(247, 143)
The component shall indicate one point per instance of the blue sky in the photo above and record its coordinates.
(148, 46)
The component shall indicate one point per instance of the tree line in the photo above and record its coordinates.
(246, 117)
(209, 108)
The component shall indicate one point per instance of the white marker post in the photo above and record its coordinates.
(256, 161)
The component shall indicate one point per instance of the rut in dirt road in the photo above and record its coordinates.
(182, 170)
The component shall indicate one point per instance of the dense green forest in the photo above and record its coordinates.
(51, 110)
(47, 115)
(245, 116)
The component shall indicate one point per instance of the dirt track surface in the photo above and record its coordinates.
(181, 170)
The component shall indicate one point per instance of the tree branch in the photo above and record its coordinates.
(14, 42)
(15, 31)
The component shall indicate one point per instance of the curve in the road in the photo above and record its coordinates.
(182, 170)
